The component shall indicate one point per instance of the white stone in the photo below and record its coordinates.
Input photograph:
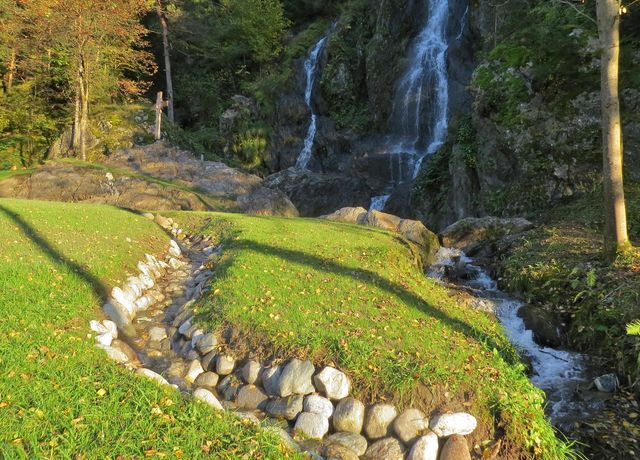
(195, 369)
(378, 420)
(174, 249)
(425, 448)
(208, 398)
(110, 327)
(148, 373)
(114, 354)
(409, 425)
(313, 426)
(316, 404)
(144, 302)
(333, 383)
(104, 339)
(133, 282)
(146, 270)
(117, 313)
(125, 298)
(349, 415)
(250, 372)
(174, 263)
(296, 378)
(146, 280)
(460, 423)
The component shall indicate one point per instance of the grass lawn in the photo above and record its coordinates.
(349, 295)
(59, 397)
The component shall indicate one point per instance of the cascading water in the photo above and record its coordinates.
(420, 114)
(311, 69)
(557, 372)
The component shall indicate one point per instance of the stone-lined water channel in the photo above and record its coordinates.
(154, 331)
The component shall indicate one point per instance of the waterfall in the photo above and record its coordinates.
(419, 119)
(311, 69)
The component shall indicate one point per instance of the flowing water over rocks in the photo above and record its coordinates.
(311, 70)
(563, 375)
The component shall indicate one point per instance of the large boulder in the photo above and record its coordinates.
(547, 327)
(263, 201)
(471, 233)
(315, 194)
(412, 230)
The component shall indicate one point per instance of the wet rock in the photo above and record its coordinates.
(387, 449)
(204, 395)
(229, 387)
(287, 408)
(250, 372)
(207, 380)
(332, 383)
(352, 441)
(225, 364)
(337, 452)
(607, 383)
(378, 420)
(251, 397)
(318, 405)
(148, 373)
(184, 327)
(206, 343)
(471, 233)
(545, 325)
(425, 448)
(296, 378)
(270, 379)
(455, 448)
(311, 425)
(349, 415)
(460, 423)
(409, 425)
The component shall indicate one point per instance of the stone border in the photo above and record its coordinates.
(315, 402)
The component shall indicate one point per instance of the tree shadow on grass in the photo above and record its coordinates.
(407, 297)
(98, 287)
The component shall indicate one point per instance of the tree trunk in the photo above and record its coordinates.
(11, 71)
(615, 231)
(75, 135)
(167, 60)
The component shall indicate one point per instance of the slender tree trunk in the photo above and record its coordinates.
(615, 231)
(167, 60)
(75, 135)
(11, 71)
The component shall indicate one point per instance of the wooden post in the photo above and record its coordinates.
(160, 104)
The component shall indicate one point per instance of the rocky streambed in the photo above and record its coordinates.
(154, 331)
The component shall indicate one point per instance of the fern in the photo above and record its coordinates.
(633, 328)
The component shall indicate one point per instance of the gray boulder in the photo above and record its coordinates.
(409, 425)
(313, 426)
(471, 233)
(352, 441)
(387, 449)
(296, 378)
(287, 408)
(378, 420)
(251, 397)
(425, 448)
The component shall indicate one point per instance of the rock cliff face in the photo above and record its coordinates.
(365, 55)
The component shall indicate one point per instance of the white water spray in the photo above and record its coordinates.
(424, 88)
(311, 69)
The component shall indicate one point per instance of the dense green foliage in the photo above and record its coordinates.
(59, 396)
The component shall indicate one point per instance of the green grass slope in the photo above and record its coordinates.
(59, 397)
(349, 296)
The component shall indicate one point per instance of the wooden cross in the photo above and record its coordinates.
(160, 104)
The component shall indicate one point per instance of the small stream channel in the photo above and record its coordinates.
(563, 375)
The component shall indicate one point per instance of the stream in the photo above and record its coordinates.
(564, 376)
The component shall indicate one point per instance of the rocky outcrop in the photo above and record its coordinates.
(472, 233)
(412, 230)
(315, 194)
(64, 182)
(132, 181)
